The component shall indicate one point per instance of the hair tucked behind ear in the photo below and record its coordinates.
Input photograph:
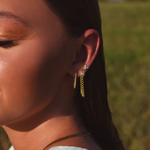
(78, 16)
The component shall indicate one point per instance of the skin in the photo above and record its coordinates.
(37, 97)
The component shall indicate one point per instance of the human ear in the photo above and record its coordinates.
(87, 50)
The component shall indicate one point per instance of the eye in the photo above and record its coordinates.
(7, 44)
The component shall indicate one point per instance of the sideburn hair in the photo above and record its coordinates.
(78, 16)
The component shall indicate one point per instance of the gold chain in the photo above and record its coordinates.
(82, 84)
(66, 137)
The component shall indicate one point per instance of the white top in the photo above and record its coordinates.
(60, 148)
(67, 148)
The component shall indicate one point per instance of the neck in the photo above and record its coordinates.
(42, 128)
(45, 126)
(44, 133)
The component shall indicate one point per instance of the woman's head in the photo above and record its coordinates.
(38, 58)
(53, 40)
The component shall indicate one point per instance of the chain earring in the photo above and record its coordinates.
(75, 81)
(82, 81)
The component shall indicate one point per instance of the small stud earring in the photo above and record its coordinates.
(86, 67)
(75, 80)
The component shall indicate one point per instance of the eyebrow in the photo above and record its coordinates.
(9, 15)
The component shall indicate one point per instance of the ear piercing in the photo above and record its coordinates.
(86, 67)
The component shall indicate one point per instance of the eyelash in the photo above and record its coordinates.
(7, 44)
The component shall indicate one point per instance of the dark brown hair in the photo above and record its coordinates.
(78, 16)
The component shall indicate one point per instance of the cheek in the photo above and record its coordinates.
(29, 77)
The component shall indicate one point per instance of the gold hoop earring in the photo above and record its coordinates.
(75, 81)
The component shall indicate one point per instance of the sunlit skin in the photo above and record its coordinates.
(37, 98)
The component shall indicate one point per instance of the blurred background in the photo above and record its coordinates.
(126, 35)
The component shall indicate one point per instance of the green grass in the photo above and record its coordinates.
(126, 34)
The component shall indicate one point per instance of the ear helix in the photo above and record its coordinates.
(81, 80)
